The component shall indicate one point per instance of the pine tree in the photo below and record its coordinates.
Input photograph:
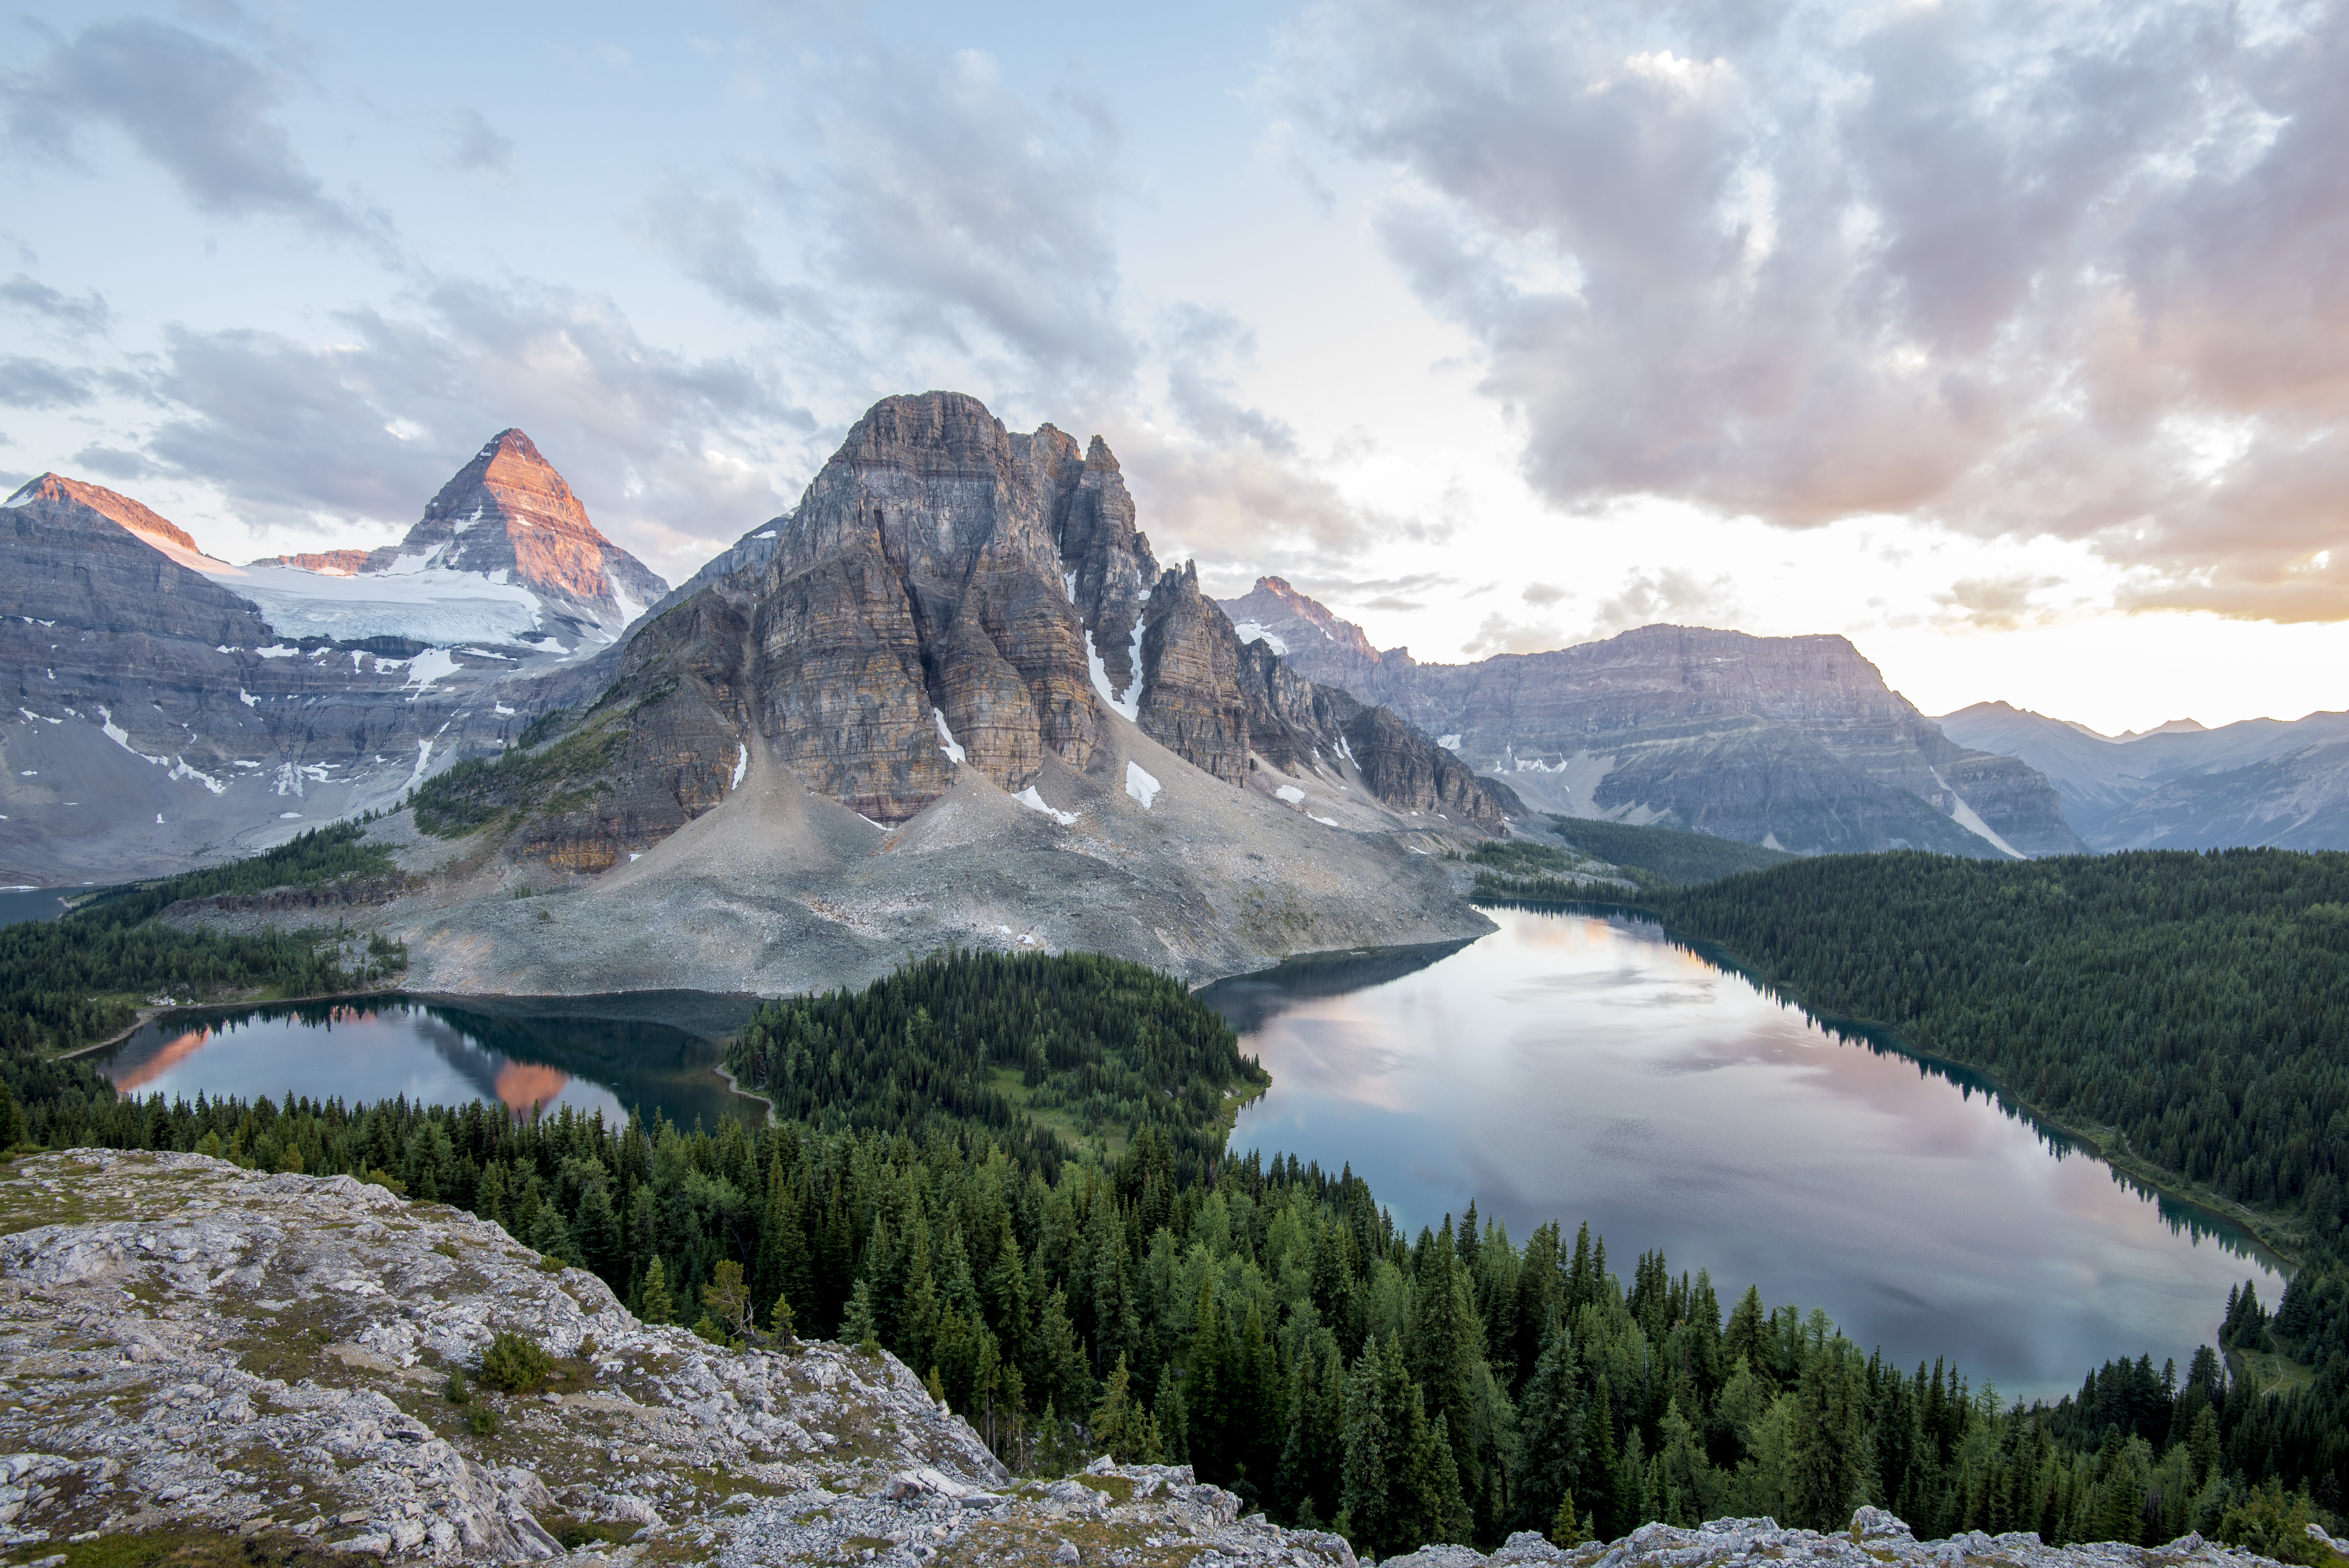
(601, 1247)
(1825, 1446)
(857, 1326)
(1552, 1444)
(655, 1305)
(1122, 1427)
(1565, 1529)
(1367, 1500)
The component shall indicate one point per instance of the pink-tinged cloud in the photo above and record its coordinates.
(2080, 271)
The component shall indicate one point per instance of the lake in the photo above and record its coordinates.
(19, 903)
(653, 1051)
(1580, 1066)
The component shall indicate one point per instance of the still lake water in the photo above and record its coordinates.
(19, 903)
(1576, 1066)
(1570, 1067)
(653, 1051)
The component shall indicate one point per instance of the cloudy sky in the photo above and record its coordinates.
(2011, 340)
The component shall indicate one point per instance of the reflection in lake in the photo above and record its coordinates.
(1575, 1066)
(648, 1051)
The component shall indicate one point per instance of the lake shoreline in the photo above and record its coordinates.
(2088, 1138)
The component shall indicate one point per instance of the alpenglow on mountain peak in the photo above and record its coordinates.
(509, 510)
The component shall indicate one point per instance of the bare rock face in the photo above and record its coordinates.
(158, 719)
(914, 610)
(83, 557)
(949, 594)
(201, 1347)
(1191, 701)
(1403, 770)
(1106, 561)
(1796, 742)
(508, 510)
(1295, 724)
(1323, 646)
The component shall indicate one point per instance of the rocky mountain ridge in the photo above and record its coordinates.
(196, 1348)
(2259, 782)
(945, 576)
(1792, 742)
(950, 697)
(171, 709)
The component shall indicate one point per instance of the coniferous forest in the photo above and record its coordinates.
(1060, 1245)
(2195, 1004)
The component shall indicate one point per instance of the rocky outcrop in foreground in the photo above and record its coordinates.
(1875, 1540)
(187, 1345)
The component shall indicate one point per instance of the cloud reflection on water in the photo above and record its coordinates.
(1572, 1066)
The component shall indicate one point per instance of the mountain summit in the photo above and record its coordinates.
(508, 510)
(1794, 743)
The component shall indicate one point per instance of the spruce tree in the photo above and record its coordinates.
(655, 1305)
(1552, 1443)
(1367, 1500)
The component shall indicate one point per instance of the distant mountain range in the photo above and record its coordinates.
(951, 697)
(171, 708)
(2263, 781)
(1793, 743)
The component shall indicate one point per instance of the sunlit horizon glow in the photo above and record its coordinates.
(2012, 346)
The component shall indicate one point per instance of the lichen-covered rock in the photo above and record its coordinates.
(190, 1344)
(184, 1344)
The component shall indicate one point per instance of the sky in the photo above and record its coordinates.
(2009, 340)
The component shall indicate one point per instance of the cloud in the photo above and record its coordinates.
(112, 463)
(1543, 594)
(2015, 269)
(467, 140)
(1235, 504)
(671, 452)
(76, 316)
(38, 384)
(709, 234)
(1670, 594)
(1995, 604)
(967, 217)
(1499, 635)
(203, 113)
(1201, 349)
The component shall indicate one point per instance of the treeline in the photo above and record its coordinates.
(1666, 853)
(1270, 1325)
(1022, 1044)
(2196, 1003)
(69, 982)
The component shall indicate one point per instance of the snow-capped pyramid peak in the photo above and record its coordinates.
(508, 512)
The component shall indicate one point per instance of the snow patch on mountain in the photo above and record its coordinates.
(419, 604)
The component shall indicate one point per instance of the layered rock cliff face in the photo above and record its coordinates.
(325, 562)
(161, 719)
(949, 594)
(1795, 742)
(84, 559)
